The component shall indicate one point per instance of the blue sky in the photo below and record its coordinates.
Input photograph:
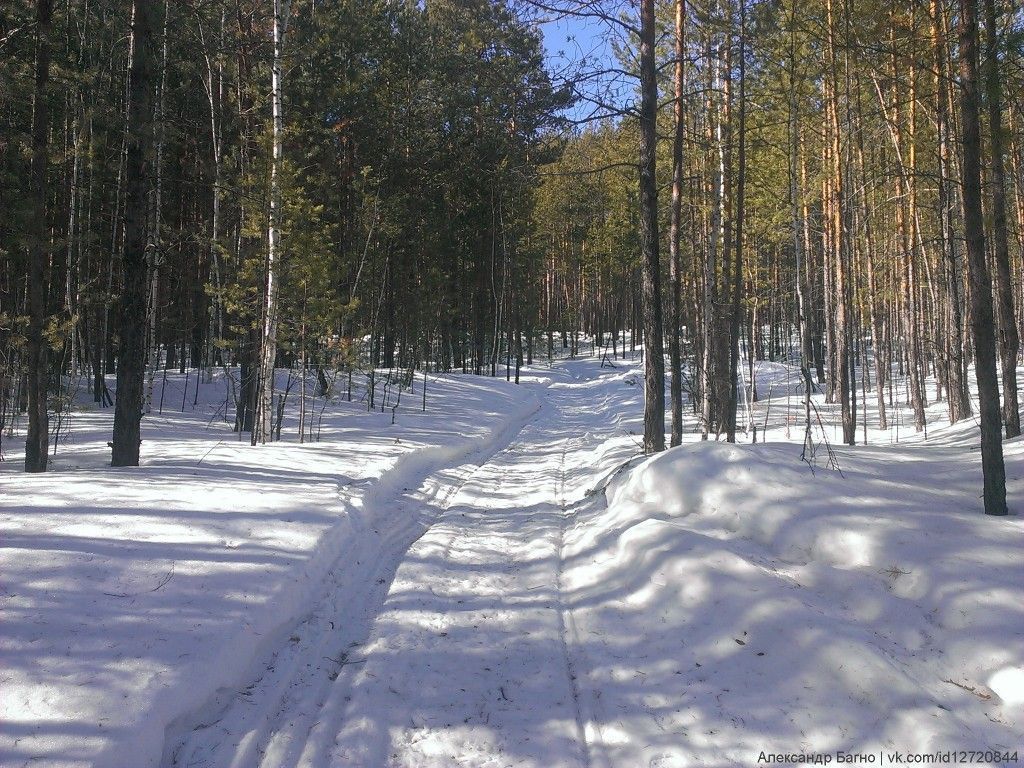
(573, 45)
(574, 37)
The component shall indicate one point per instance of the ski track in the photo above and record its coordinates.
(470, 567)
(484, 585)
(565, 619)
(268, 722)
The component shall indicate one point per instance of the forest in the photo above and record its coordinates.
(562, 383)
(397, 185)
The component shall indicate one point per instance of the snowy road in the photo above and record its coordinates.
(472, 660)
(467, 657)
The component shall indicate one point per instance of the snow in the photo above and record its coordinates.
(1008, 685)
(769, 608)
(503, 580)
(131, 596)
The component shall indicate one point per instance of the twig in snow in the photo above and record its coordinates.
(894, 572)
(344, 660)
(167, 577)
(208, 452)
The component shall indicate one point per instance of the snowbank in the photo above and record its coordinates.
(726, 600)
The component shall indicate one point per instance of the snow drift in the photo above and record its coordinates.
(768, 607)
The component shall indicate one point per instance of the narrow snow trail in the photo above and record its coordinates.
(267, 722)
(455, 646)
(471, 661)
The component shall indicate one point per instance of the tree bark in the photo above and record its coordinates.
(131, 356)
(1009, 340)
(982, 327)
(654, 362)
(37, 442)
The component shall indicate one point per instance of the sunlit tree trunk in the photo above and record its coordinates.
(654, 362)
(675, 258)
(912, 285)
(268, 350)
(840, 236)
(714, 239)
(957, 394)
(797, 224)
(737, 276)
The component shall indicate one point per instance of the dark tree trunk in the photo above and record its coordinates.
(982, 326)
(131, 356)
(654, 362)
(37, 442)
(1009, 341)
(244, 409)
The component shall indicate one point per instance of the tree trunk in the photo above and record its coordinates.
(1009, 340)
(737, 288)
(675, 258)
(914, 314)
(37, 443)
(840, 241)
(131, 358)
(957, 393)
(268, 351)
(154, 245)
(993, 470)
(797, 224)
(710, 373)
(654, 362)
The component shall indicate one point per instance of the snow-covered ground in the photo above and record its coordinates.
(503, 580)
(732, 602)
(131, 596)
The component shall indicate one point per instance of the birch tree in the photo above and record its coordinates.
(268, 356)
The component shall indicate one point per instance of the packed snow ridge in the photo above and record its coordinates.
(501, 579)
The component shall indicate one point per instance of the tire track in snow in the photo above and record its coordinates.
(268, 722)
(288, 740)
